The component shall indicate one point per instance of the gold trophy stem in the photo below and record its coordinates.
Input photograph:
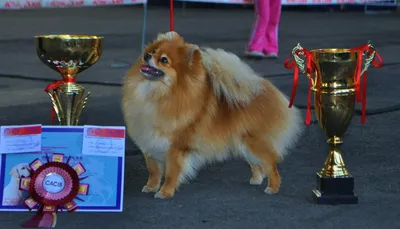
(334, 164)
(68, 102)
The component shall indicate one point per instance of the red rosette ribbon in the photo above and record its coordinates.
(53, 185)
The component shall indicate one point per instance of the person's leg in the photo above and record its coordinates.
(271, 35)
(257, 38)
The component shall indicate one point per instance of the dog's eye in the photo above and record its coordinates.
(164, 60)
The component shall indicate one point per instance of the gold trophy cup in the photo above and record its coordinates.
(333, 79)
(68, 55)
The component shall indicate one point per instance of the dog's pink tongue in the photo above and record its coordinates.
(146, 68)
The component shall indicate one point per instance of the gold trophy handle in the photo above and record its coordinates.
(296, 52)
(300, 59)
(369, 57)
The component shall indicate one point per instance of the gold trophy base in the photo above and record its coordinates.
(335, 190)
(334, 183)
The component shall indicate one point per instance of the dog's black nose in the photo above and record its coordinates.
(147, 57)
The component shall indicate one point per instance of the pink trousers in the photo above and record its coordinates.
(264, 37)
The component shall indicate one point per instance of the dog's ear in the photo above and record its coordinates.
(193, 54)
(169, 36)
(14, 172)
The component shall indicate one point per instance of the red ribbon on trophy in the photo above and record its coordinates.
(361, 91)
(52, 186)
(53, 86)
(310, 67)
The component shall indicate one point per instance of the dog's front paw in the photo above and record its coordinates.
(147, 189)
(163, 195)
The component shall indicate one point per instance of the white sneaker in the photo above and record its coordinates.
(271, 55)
(254, 54)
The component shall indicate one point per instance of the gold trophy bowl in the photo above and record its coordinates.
(334, 87)
(68, 55)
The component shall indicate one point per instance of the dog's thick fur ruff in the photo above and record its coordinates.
(209, 106)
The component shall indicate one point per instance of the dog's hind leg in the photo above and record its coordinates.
(257, 174)
(267, 157)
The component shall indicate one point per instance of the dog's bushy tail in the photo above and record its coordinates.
(231, 78)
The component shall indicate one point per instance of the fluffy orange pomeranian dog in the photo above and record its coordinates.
(185, 106)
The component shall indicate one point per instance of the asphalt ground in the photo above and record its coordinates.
(220, 197)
